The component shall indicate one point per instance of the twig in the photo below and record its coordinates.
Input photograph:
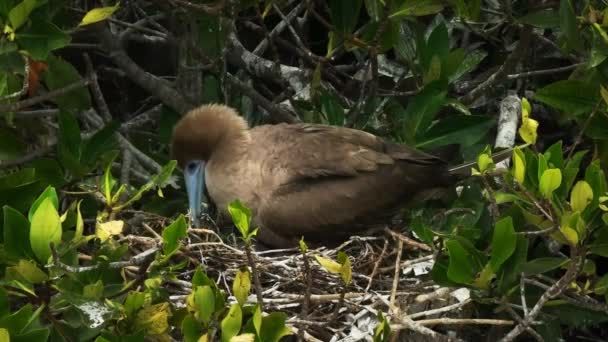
(26, 82)
(556, 289)
(551, 71)
(133, 261)
(96, 90)
(376, 264)
(256, 277)
(13, 107)
(27, 158)
(407, 240)
(440, 310)
(396, 274)
(464, 321)
(579, 137)
(502, 72)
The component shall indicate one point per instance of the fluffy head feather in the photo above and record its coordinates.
(206, 130)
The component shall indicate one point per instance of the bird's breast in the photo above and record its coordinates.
(228, 182)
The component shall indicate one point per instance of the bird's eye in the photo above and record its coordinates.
(191, 166)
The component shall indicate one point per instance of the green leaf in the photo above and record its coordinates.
(158, 180)
(549, 182)
(571, 96)
(382, 332)
(416, 8)
(241, 286)
(511, 270)
(332, 109)
(344, 14)
(172, 235)
(273, 327)
(345, 271)
(503, 242)
(546, 19)
(27, 271)
(460, 269)
(93, 291)
(241, 217)
(204, 301)
(458, 129)
(49, 193)
(231, 324)
(40, 38)
(60, 74)
(20, 13)
(519, 165)
(102, 141)
(45, 228)
(69, 146)
(154, 319)
(569, 25)
(329, 265)
(133, 302)
(98, 14)
(16, 233)
(581, 196)
(422, 109)
(374, 9)
(543, 265)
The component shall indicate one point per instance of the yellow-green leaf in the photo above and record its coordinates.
(243, 338)
(329, 265)
(519, 165)
(485, 162)
(98, 14)
(550, 181)
(79, 222)
(28, 271)
(601, 200)
(231, 324)
(570, 234)
(581, 196)
(603, 90)
(241, 286)
(45, 228)
(527, 130)
(484, 277)
(104, 230)
(154, 319)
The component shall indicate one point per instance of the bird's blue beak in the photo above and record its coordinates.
(194, 177)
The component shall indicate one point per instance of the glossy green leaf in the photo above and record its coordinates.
(20, 13)
(274, 328)
(332, 109)
(581, 196)
(49, 193)
(60, 74)
(204, 301)
(510, 272)
(519, 165)
(102, 141)
(241, 217)
(569, 25)
(503, 242)
(27, 271)
(45, 228)
(543, 265)
(460, 269)
(573, 97)
(16, 233)
(172, 235)
(98, 14)
(344, 14)
(231, 324)
(374, 9)
(40, 38)
(549, 182)
(546, 18)
(241, 286)
(458, 129)
(415, 8)
(422, 109)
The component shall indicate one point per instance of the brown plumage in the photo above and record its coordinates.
(317, 181)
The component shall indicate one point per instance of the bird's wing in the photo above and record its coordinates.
(297, 152)
(336, 181)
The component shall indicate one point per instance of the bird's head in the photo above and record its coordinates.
(200, 135)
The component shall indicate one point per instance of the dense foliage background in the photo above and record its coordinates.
(94, 245)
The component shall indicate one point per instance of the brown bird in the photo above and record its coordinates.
(317, 181)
